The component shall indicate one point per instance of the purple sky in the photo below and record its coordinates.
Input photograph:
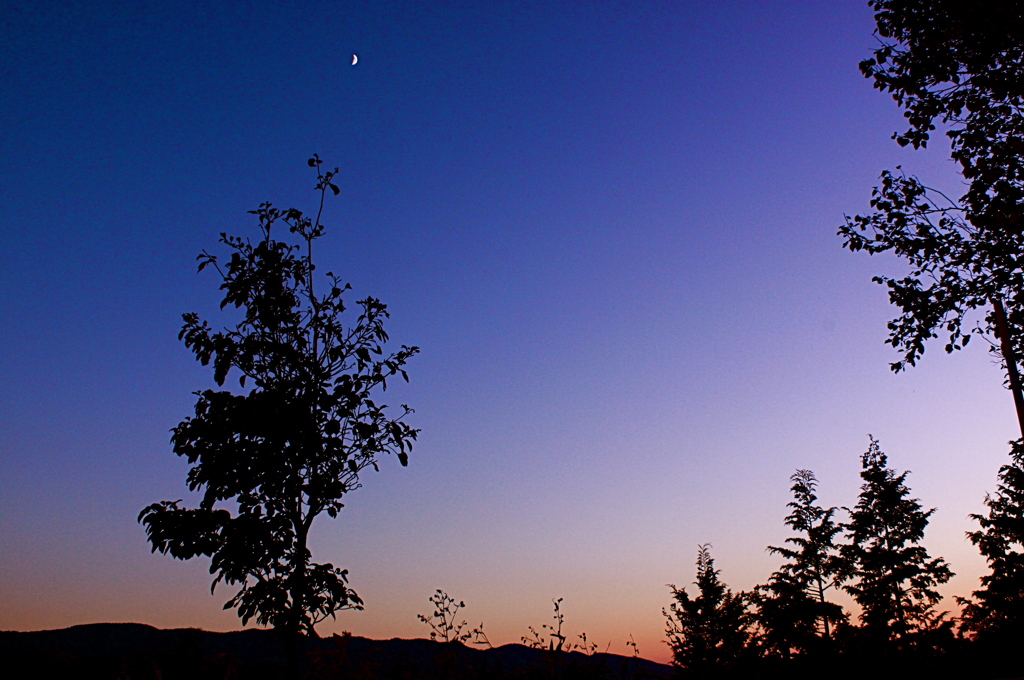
(609, 226)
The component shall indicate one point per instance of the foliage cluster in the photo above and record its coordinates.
(959, 65)
(269, 461)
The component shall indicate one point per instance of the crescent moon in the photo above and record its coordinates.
(355, 60)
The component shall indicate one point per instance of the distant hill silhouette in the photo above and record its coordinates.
(139, 652)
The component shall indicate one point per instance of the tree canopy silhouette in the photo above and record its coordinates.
(269, 461)
(792, 611)
(960, 65)
(894, 577)
(708, 632)
(997, 609)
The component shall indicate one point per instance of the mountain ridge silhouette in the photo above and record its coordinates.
(135, 650)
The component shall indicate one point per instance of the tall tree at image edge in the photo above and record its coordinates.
(290, 448)
(995, 613)
(960, 65)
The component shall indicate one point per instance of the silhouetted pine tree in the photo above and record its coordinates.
(895, 577)
(997, 610)
(707, 633)
(791, 610)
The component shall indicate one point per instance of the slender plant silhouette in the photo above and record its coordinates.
(553, 639)
(443, 620)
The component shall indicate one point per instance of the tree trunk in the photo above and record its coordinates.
(1010, 358)
(821, 598)
(297, 587)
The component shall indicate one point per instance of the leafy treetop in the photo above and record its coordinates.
(297, 442)
(959, 65)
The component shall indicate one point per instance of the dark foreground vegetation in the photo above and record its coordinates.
(131, 651)
(791, 626)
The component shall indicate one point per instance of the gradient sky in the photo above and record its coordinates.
(610, 226)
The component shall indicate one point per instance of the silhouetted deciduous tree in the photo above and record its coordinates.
(962, 65)
(292, 446)
(894, 577)
(997, 610)
(792, 611)
(707, 632)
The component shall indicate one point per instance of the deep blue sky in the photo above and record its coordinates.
(609, 226)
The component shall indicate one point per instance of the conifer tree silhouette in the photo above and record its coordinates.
(708, 632)
(792, 612)
(895, 578)
(997, 610)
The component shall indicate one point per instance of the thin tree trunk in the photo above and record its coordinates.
(294, 638)
(821, 598)
(1010, 358)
